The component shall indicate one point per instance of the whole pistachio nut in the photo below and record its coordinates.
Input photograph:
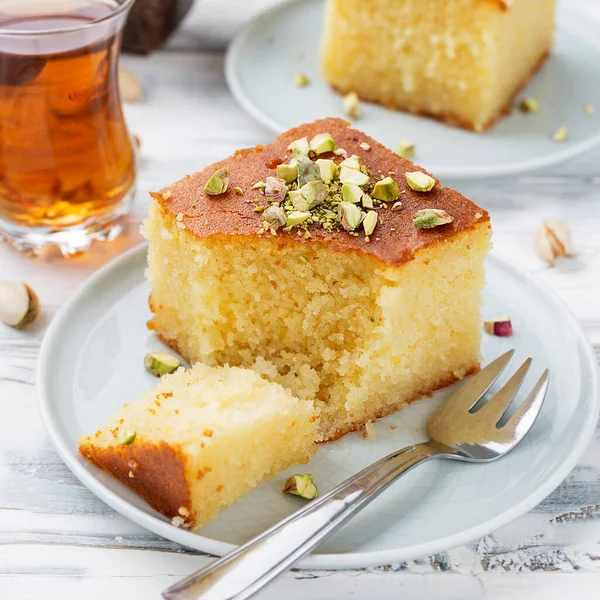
(351, 193)
(288, 172)
(126, 437)
(297, 217)
(351, 105)
(429, 218)
(552, 240)
(420, 182)
(386, 190)
(301, 485)
(327, 169)
(307, 170)
(405, 149)
(161, 363)
(349, 215)
(275, 188)
(218, 183)
(315, 192)
(348, 175)
(322, 143)
(370, 222)
(299, 146)
(275, 216)
(19, 304)
(352, 162)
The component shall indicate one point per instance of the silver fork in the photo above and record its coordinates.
(464, 428)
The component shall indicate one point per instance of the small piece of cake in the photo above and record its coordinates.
(460, 61)
(202, 438)
(313, 261)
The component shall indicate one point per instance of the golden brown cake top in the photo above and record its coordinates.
(395, 238)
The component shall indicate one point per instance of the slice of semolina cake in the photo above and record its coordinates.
(314, 262)
(202, 438)
(461, 61)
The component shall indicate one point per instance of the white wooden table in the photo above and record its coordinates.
(58, 541)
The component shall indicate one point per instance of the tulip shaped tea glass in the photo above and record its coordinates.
(67, 163)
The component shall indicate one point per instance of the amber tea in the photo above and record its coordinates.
(66, 159)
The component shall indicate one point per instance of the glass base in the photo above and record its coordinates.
(71, 241)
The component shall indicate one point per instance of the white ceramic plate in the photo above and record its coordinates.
(263, 58)
(91, 363)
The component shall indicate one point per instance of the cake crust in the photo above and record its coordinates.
(396, 240)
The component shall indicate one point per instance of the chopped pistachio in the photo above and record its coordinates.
(351, 105)
(288, 172)
(218, 183)
(369, 222)
(405, 149)
(350, 215)
(339, 152)
(501, 327)
(365, 146)
(420, 182)
(161, 363)
(429, 218)
(300, 146)
(238, 190)
(259, 185)
(301, 485)
(19, 304)
(529, 105)
(397, 206)
(297, 217)
(300, 80)
(299, 202)
(315, 192)
(275, 188)
(352, 162)
(327, 169)
(307, 170)
(126, 437)
(348, 175)
(322, 143)
(386, 190)
(351, 193)
(275, 217)
(561, 134)
(367, 201)
(589, 110)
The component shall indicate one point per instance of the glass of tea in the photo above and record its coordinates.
(67, 163)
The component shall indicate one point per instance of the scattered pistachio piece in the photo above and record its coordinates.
(315, 193)
(552, 240)
(301, 485)
(275, 188)
(589, 110)
(300, 80)
(352, 162)
(259, 185)
(327, 169)
(348, 175)
(129, 86)
(307, 170)
(429, 218)
(397, 206)
(19, 304)
(299, 202)
(339, 152)
(351, 105)
(501, 327)
(288, 172)
(161, 363)
(420, 182)
(369, 222)
(405, 149)
(561, 134)
(275, 217)
(529, 105)
(365, 146)
(238, 190)
(297, 217)
(126, 437)
(322, 143)
(386, 190)
(367, 201)
(218, 183)
(351, 193)
(300, 146)
(350, 215)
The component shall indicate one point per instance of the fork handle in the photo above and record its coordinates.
(246, 570)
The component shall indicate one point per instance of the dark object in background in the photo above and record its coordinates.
(151, 22)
